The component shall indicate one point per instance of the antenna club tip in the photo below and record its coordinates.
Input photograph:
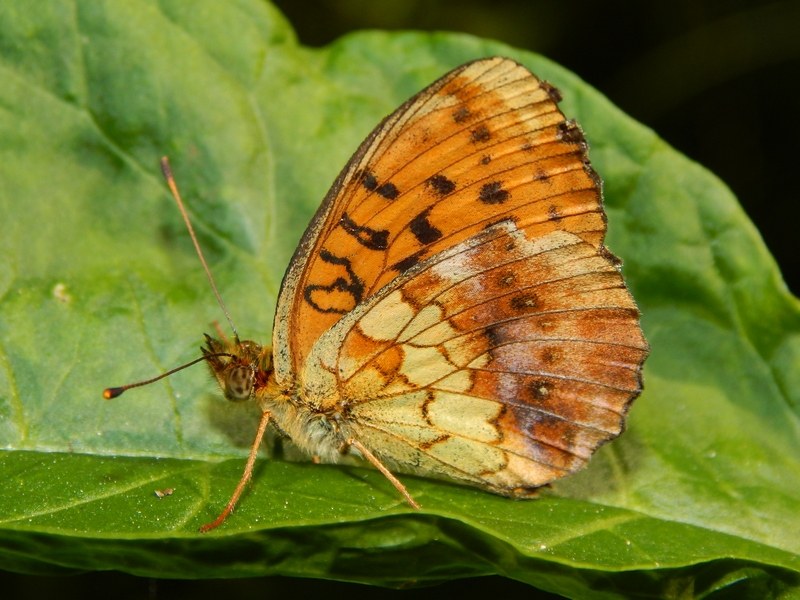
(113, 392)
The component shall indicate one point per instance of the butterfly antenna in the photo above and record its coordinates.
(173, 187)
(114, 392)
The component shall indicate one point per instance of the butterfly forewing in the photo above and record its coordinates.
(484, 143)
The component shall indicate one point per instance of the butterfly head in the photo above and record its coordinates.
(240, 367)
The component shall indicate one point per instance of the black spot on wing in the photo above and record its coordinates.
(370, 182)
(525, 302)
(405, 264)
(461, 114)
(550, 356)
(388, 190)
(540, 389)
(374, 239)
(441, 185)
(506, 279)
(423, 230)
(552, 91)
(480, 134)
(569, 132)
(493, 193)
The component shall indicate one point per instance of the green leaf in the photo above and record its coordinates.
(99, 285)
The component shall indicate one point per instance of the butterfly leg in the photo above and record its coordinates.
(386, 473)
(248, 473)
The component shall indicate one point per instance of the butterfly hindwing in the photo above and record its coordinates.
(502, 362)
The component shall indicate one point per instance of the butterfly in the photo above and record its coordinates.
(451, 310)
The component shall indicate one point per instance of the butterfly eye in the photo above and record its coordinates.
(239, 384)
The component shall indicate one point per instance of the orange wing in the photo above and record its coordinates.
(484, 143)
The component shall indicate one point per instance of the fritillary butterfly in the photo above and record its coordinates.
(451, 310)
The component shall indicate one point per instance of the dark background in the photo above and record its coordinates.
(717, 79)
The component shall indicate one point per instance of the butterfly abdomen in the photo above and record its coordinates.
(316, 433)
